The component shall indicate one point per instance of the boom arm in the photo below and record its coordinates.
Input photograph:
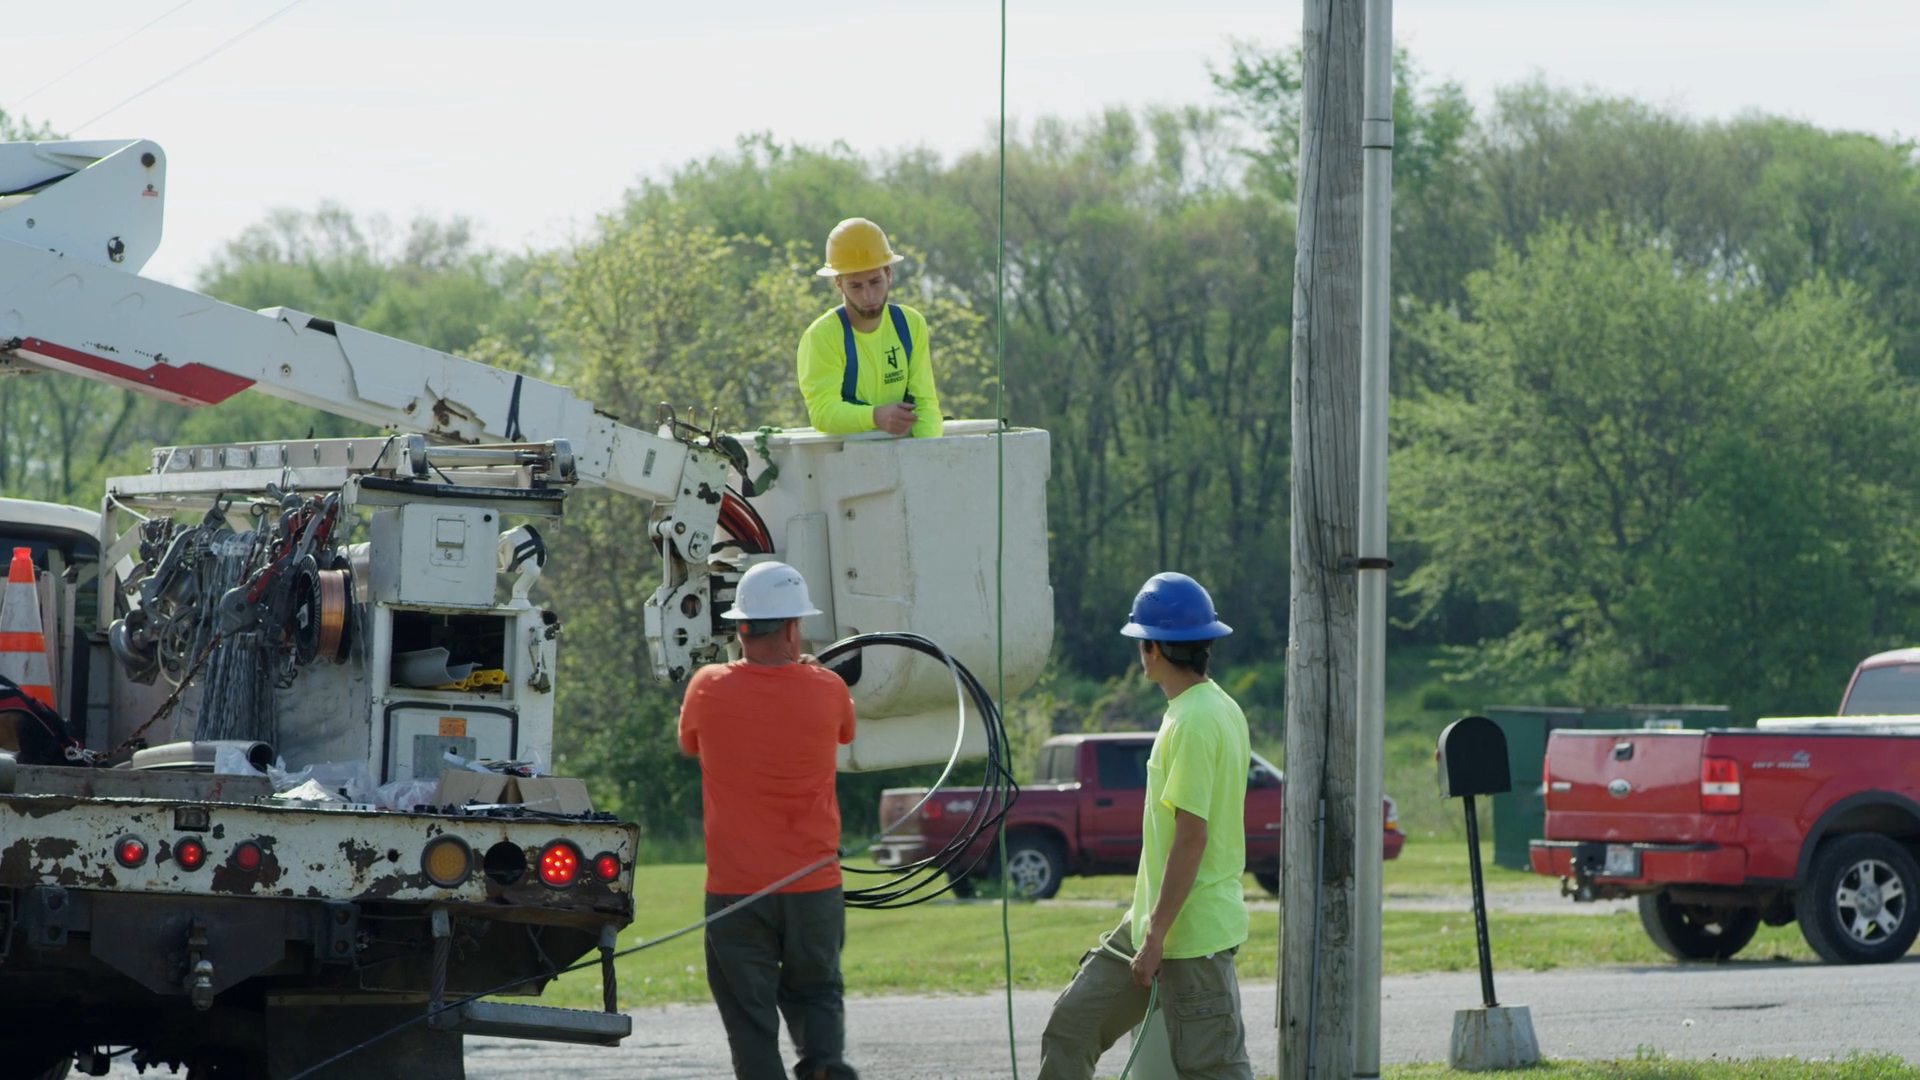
(78, 220)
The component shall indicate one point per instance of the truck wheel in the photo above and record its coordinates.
(1269, 880)
(1696, 932)
(1035, 866)
(1856, 906)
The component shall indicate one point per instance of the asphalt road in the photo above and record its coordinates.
(1736, 1010)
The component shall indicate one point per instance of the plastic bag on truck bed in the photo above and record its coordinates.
(311, 792)
(348, 780)
(406, 795)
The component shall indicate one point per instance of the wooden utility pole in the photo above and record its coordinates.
(1316, 976)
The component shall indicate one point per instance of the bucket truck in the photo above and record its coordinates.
(349, 617)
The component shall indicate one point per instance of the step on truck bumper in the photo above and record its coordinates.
(542, 1022)
(1636, 866)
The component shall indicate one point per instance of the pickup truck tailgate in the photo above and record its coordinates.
(1624, 785)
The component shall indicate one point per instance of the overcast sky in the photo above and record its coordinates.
(532, 117)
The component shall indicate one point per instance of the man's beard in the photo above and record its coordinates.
(868, 312)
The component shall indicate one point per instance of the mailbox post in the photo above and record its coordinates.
(1473, 761)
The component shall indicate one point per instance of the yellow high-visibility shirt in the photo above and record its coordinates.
(885, 374)
(1198, 764)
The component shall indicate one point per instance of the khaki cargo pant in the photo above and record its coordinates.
(1200, 998)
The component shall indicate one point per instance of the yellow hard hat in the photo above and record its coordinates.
(855, 246)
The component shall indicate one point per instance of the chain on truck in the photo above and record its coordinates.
(355, 614)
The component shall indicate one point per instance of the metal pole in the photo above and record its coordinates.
(1376, 142)
(1479, 907)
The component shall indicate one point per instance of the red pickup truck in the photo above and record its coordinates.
(1081, 815)
(1815, 819)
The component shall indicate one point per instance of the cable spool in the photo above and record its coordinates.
(336, 597)
(321, 605)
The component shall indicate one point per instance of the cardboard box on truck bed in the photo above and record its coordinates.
(553, 794)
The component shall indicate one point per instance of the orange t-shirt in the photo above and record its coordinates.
(766, 737)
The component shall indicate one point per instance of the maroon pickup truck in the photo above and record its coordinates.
(1815, 819)
(1081, 815)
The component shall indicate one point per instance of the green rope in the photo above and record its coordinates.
(1000, 508)
(1153, 997)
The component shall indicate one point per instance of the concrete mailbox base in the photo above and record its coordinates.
(1496, 1038)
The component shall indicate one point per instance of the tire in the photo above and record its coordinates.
(1857, 905)
(1269, 880)
(961, 887)
(1695, 932)
(1035, 866)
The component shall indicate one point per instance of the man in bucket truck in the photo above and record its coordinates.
(766, 729)
(867, 365)
(1188, 916)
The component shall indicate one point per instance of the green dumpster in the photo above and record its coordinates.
(1520, 816)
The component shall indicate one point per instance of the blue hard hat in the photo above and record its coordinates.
(1174, 607)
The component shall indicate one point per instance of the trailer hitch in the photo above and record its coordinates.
(198, 983)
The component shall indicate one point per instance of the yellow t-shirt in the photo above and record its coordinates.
(886, 374)
(1199, 764)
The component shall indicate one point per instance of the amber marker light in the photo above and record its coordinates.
(447, 861)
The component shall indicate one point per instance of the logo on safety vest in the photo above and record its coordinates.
(893, 356)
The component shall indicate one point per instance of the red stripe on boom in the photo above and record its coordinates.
(188, 384)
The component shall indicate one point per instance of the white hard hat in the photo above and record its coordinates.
(770, 590)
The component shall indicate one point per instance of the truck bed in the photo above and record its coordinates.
(1646, 795)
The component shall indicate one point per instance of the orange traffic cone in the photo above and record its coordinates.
(23, 645)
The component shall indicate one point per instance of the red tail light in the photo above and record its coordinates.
(191, 854)
(606, 866)
(130, 852)
(247, 856)
(932, 811)
(1546, 784)
(1719, 785)
(559, 864)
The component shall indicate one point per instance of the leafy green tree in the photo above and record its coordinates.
(1147, 304)
(640, 312)
(1684, 490)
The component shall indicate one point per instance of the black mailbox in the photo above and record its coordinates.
(1473, 758)
(1473, 761)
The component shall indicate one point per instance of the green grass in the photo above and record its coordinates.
(1414, 941)
(954, 948)
(934, 948)
(1655, 1067)
(1428, 866)
(1425, 868)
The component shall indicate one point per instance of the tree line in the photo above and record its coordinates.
(1653, 377)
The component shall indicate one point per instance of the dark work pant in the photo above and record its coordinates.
(780, 957)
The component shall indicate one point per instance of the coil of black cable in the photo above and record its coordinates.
(972, 843)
